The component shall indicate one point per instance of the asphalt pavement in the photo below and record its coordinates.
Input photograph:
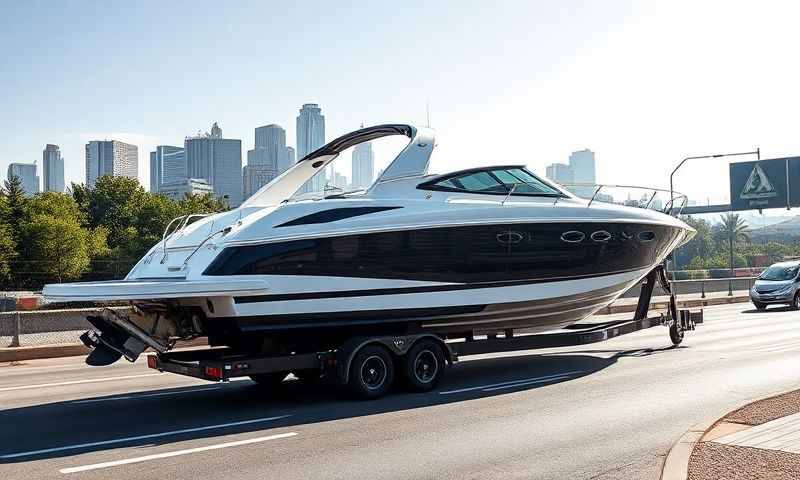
(610, 410)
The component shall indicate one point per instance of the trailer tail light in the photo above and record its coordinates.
(214, 372)
(151, 361)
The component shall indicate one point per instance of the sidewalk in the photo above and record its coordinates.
(758, 441)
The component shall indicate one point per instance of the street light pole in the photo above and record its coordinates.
(756, 152)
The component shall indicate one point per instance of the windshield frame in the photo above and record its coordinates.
(434, 183)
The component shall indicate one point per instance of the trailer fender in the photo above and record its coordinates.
(398, 345)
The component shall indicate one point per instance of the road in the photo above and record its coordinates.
(605, 411)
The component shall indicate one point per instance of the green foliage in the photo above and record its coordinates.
(87, 232)
(57, 246)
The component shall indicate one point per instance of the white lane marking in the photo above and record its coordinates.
(532, 379)
(143, 395)
(175, 453)
(140, 437)
(76, 382)
(521, 384)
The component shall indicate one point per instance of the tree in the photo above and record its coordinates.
(116, 203)
(7, 252)
(62, 248)
(15, 203)
(734, 229)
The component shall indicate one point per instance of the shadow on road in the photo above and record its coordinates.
(97, 424)
(786, 308)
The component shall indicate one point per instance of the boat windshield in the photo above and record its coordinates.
(779, 272)
(515, 180)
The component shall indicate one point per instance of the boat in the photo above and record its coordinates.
(471, 252)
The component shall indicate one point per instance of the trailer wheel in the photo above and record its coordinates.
(268, 380)
(676, 333)
(423, 365)
(371, 372)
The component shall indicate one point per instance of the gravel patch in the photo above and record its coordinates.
(768, 409)
(715, 461)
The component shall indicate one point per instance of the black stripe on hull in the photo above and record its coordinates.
(460, 255)
(534, 314)
(282, 297)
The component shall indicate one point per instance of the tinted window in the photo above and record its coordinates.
(518, 181)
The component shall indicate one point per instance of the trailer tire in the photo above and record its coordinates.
(268, 380)
(371, 372)
(676, 333)
(423, 365)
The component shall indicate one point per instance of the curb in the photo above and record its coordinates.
(18, 354)
(676, 464)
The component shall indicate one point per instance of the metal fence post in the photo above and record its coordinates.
(730, 287)
(703, 289)
(17, 328)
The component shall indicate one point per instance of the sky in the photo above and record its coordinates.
(642, 84)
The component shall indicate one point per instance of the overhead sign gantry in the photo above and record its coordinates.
(772, 183)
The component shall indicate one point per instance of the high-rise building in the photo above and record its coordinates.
(52, 169)
(218, 161)
(287, 160)
(363, 165)
(178, 189)
(583, 171)
(560, 173)
(311, 136)
(265, 159)
(167, 165)
(26, 172)
(111, 157)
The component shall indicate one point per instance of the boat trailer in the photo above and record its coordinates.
(424, 352)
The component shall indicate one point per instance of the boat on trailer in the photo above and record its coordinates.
(472, 252)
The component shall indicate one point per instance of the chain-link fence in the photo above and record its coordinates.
(34, 274)
(44, 327)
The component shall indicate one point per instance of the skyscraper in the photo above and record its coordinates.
(560, 173)
(287, 160)
(52, 169)
(218, 161)
(311, 136)
(27, 175)
(363, 165)
(263, 159)
(167, 165)
(583, 171)
(111, 157)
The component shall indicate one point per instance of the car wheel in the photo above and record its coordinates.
(796, 301)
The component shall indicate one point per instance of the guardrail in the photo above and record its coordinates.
(705, 281)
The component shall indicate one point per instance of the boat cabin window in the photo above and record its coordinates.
(495, 181)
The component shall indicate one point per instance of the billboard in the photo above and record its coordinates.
(773, 183)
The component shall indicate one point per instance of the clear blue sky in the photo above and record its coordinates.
(642, 84)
